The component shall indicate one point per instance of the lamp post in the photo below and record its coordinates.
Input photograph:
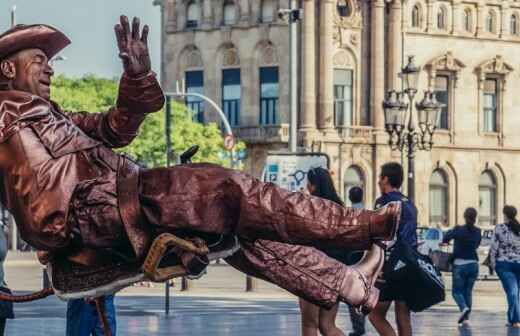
(400, 123)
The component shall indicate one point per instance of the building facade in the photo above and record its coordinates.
(351, 51)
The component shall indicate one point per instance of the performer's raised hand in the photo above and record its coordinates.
(133, 47)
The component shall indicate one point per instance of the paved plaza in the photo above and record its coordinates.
(218, 305)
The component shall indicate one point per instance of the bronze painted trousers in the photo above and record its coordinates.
(273, 225)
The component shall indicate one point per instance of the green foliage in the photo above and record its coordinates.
(96, 94)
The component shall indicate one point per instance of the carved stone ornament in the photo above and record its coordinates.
(350, 17)
(494, 66)
(342, 60)
(269, 55)
(446, 63)
(231, 57)
(193, 59)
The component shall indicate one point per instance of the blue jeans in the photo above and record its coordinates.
(509, 274)
(83, 320)
(464, 277)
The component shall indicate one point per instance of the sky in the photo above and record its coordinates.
(90, 26)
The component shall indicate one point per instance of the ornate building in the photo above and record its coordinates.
(237, 52)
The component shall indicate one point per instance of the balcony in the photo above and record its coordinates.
(263, 134)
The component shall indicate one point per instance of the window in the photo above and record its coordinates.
(193, 15)
(268, 96)
(353, 178)
(416, 16)
(442, 93)
(343, 8)
(195, 84)
(441, 18)
(438, 198)
(487, 199)
(342, 97)
(490, 22)
(490, 105)
(267, 11)
(468, 20)
(229, 13)
(513, 25)
(231, 93)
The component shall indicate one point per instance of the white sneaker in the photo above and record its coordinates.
(464, 315)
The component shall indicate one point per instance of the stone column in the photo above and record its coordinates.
(394, 45)
(326, 115)
(244, 12)
(377, 60)
(456, 16)
(308, 117)
(481, 17)
(430, 16)
(504, 22)
(207, 18)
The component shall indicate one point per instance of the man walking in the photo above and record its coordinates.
(390, 181)
(355, 195)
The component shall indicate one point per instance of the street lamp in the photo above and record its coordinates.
(400, 121)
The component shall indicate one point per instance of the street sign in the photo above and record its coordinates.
(229, 142)
(289, 170)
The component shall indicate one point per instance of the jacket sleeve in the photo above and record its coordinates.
(120, 125)
(493, 251)
(448, 236)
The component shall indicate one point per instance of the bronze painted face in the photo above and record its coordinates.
(29, 71)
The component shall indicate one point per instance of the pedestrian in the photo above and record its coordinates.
(467, 239)
(390, 181)
(357, 319)
(83, 318)
(505, 259)
(314, 318)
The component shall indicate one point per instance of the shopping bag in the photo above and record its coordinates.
(415, 276)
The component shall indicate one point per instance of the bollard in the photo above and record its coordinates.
(251, 284)
(46, 280)
(185, 284)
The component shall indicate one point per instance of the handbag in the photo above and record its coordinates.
(416, 277)
(442, 260)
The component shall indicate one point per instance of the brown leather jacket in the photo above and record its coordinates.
(47, 155)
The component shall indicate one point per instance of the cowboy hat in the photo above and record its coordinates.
(21, 37)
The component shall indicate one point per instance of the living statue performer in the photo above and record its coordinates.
(76, 199)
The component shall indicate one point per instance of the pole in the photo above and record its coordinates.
(169, 160)
(13, 16)
(411, 148)
(14, 229)
(293, 61)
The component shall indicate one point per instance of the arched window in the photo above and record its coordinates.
(441, 18)
(230, 13)
(468, 20)
(193, 15)
(513, 25)
(416, 16)
(267, 11)
(343, 8)
(439, 198)
(353, 178)
(487, 189)
(491, 22)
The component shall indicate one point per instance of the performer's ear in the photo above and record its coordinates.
(8, 69)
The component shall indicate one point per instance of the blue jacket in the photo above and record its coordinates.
(467, 240)
(408, 226)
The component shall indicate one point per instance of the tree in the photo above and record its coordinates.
(94, 94)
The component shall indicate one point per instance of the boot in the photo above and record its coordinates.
(384, 222)
(358, 288)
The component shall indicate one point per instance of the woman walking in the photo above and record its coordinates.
(505, 259)
(315, 318)
(467, 239)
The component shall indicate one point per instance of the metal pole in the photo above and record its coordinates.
(169, 160)
(411, 154)
(13, 229)
(293, 61)
(13, 16)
